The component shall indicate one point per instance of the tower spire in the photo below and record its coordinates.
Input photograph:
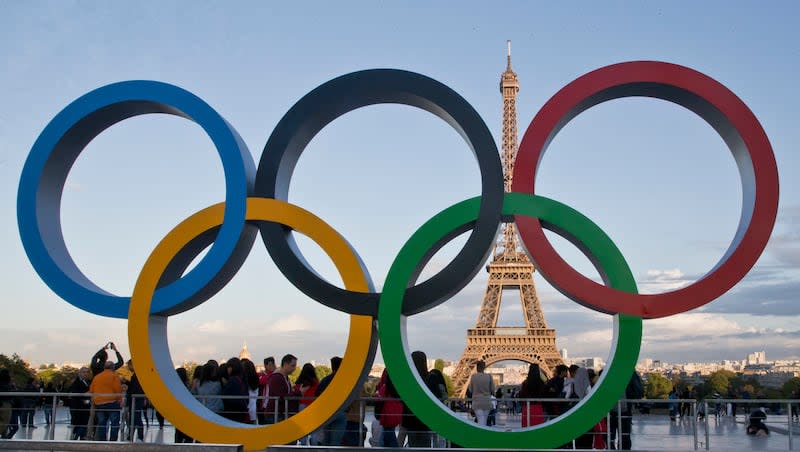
(507, 248)
(509, 269)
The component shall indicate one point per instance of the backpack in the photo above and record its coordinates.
(635, 388)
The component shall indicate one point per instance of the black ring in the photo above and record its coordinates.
(344, 94)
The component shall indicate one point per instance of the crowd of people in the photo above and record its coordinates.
(395, 423)
(232, 389)
(237, 391)
(565, 388)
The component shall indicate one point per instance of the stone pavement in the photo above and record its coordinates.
(650, 432)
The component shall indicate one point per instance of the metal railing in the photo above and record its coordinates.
(660, 424)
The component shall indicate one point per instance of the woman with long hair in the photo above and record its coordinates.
(534, 387)
(235, 409)
(209, 388)
(251, 381)
(419, 435)
(308, 380)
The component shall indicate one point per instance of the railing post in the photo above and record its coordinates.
(694, 422)
(705, 417)
(789, 424)
(53, 407)
(619, 424)
(131, 419)
(362, 416)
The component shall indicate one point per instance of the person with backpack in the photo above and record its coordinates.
(757, 427)
(621, 414)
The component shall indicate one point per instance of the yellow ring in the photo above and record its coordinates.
(148, 334)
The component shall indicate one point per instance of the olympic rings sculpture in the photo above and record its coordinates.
(255, 202)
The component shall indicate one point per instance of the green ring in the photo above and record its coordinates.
(554, 433)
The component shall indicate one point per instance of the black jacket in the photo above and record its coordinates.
(78, 402)
(99, 361)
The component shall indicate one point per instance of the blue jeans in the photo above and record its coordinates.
(334, 431)
(107, 413)
(47, 409)
(138, 425)
(389, 437)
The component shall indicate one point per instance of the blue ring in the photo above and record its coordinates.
(59, 145)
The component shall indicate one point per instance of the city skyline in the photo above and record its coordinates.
(656, 178)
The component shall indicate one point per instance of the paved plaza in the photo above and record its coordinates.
(650, 432)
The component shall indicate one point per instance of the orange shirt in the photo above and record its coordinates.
(106, 382)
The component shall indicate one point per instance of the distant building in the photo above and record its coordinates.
(245, 353)
(377, 370)
(497, 375)
(757, 358)
(564, 354)
(594, 362)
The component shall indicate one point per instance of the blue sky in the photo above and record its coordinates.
(656, 178)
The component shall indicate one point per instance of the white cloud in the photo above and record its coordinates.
(198, 352)
(69, 337)
(593, 337)
(214, 326)
(659, 281)
(294, 322)
(677, 327)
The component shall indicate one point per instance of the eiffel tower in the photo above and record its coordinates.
(510, 268)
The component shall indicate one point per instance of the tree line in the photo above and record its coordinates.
(657, 386)
(724, 383)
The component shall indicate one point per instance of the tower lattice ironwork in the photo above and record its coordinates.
(509, 269)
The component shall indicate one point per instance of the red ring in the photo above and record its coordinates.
(713, 102)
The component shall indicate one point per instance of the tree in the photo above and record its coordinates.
(719, 381)
(702, 391)
(657, 386)
(735, 385)
(190, 367)
(678, 383)
(60, 378)
(293, 376)
(18, 368)
(752, 386)
(772, 393)
(790, 387)
(439, 365)
(322, 371)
